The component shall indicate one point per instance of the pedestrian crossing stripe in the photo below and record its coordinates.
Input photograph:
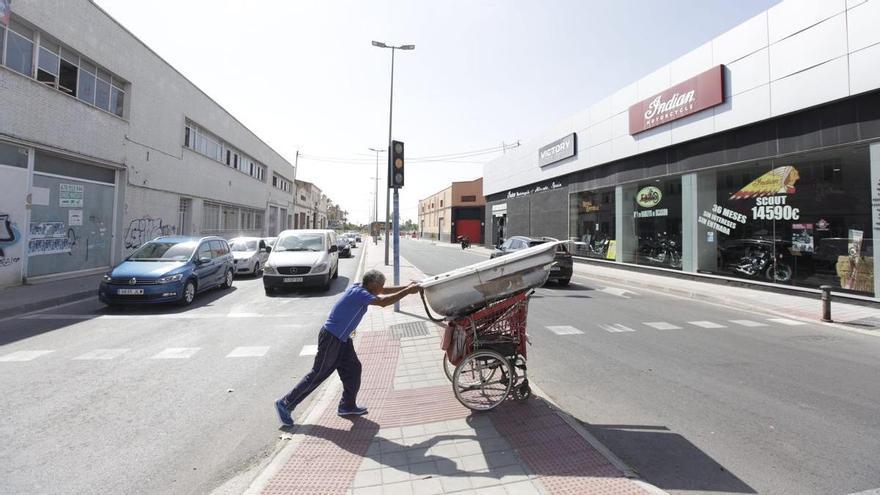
(706, 324)
(258, 351)
(662, 325)
(564, 330)
(177, 353)
(615, 328)
(101, 354)
(749, 323)
(19, 356)
(309, 350)
(786, 321)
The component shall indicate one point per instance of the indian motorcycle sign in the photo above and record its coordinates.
(688, 97)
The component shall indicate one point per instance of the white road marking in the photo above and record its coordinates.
(564, 330)
(786, 321)
(20, 356)
(101, 354)
(661, 325)
(309, 350)
(177, 353)
(615, 328)
(618, 292)
(749, 323)
(706, 324)
(259, 351)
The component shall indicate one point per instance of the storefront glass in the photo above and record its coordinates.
(593, 224)
(654, 218)
(802, 220)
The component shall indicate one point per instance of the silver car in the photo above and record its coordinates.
(249, 255)
(302, 258)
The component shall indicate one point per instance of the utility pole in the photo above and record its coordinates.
(376, 200)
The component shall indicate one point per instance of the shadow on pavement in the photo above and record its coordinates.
(667, 459)
(337, 286)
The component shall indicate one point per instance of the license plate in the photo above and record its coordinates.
(130, 292)
(555, 268)
(293, 279)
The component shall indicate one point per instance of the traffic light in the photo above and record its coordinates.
(395, 177)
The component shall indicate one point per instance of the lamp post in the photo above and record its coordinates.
(393, 48)
(376, 198)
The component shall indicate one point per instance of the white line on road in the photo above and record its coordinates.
(309, 350)
(177, 353)
(749, 323)
(662, 325)
(618, 292)
(786, 321)
(706, 324)
(101, 354)
(259, 351)
(564, 330)
(19, 356)
(615, 328)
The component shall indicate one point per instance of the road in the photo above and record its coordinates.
(700, 398)
(152, 400)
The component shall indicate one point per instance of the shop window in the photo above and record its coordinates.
(593, 224)
(654, 230)
(802, 220)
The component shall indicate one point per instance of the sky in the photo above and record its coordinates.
(303, 75)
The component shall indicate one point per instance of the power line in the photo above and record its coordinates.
(448, 157)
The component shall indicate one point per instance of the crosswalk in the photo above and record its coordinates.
(169, 353)
(665, 325)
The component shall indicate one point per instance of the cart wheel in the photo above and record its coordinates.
(523, 391)
(447, 367)
(482, 380)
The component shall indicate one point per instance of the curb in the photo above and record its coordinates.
(47, 303)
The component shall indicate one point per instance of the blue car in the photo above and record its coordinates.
(169, 269)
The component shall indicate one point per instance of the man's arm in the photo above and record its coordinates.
(393, 289)
(388, 299)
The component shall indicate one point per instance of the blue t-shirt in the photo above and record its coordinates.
(348, 312)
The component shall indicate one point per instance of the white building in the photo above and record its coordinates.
(104, 145)
(756, 156)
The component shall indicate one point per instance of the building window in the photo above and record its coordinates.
(468, 199)
(20, 49)
(102, 90)
(211, 217)
(230, 218)
(47, 65)
(593, 224)
(87, 78)
(258, 220)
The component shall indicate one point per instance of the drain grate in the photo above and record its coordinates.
(411, 329)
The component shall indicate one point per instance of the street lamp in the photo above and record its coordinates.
(393, 48)
(376, 197)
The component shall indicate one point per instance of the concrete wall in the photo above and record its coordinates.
(797, 54)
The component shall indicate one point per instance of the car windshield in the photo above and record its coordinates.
(243, 246)
(300, 242)
(164, 251)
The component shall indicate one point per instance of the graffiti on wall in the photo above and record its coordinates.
(141, 230)
(9, 236)
(51, 238)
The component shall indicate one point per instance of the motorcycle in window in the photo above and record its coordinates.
(660, 250)
(760, 261)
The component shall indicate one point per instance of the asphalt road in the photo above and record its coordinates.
(163, 408)
(699, 398)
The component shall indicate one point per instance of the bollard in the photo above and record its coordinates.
(826, 303)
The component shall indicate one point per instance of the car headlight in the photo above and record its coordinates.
(107, 278)
(170, 278)
(269, 269)
(320, 267)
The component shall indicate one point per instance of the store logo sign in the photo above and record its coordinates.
(558, 150)
(694, 95)
(649, 197)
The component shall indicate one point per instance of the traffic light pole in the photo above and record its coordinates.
(390, 114)
(396, 244)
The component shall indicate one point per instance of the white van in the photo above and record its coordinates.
(302, 258)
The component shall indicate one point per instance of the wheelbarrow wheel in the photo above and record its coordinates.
(482, 380)
(448, 368)
(523, 391)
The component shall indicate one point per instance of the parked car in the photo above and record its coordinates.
(270, 241)
(350, 239)
(249, 254)
(168, 269)
(357, 237)
(344, 246)
(302, 258)
(561, 269)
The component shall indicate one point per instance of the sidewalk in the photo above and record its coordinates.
(22, 299)
(418, 439)
(804, 306)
